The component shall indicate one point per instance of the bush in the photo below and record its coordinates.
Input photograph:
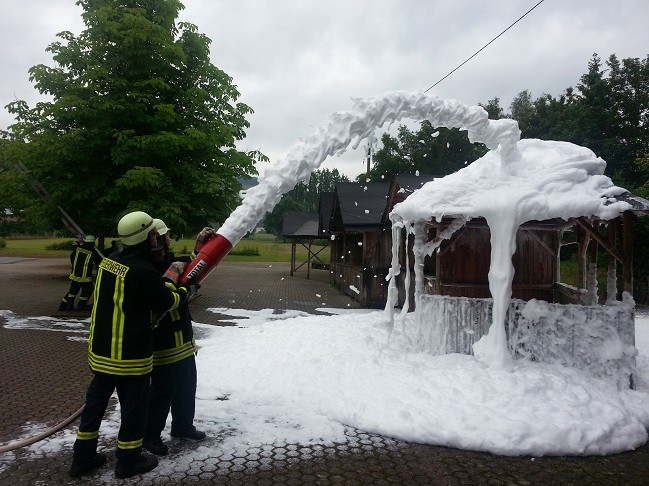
(3, 243)
(246, 251)
(62, 245)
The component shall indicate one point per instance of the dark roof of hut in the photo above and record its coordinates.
(300, 223)
(325, 212)
(401, 187)
(639, 205)
(362, 205)
(410, 183)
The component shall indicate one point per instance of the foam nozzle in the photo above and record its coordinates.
(207, 259)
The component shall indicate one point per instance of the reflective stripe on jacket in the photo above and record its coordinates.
(128, 290)
(83, 259)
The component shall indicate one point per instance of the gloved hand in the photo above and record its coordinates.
(202, 238)
(174, 272)
(191, 289)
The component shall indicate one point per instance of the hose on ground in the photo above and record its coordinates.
(52, 430)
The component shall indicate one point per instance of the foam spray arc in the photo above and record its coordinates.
(332, 138)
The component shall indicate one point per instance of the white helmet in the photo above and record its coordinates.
(161, 227)
(134, 227)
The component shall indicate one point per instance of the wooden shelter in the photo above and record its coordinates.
(460, 267)
(574, 325)
(361, 241)
(302, 228)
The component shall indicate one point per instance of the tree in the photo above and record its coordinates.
(303, 197)
(433, 151)
(139, 119)
(494, 109)
(608, 113)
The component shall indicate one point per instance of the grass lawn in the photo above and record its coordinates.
(262, 248)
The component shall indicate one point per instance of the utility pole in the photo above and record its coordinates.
(369, 158)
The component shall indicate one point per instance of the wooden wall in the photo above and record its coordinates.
(462, 264)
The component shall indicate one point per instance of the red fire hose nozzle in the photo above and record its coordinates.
(207, 259)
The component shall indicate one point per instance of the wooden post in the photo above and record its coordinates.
(627, 251)
(582, 247)
(292, 255)
(612, 263)
(438, 266)
(308, 260)
(592, 263)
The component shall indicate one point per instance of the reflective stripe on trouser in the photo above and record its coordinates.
(86, 290)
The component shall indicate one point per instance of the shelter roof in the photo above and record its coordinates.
(639, 205)
(362, 205)
(300, 223)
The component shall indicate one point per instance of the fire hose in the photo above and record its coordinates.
(52, 430)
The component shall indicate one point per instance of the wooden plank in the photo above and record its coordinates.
(539, 240)
(593, 233)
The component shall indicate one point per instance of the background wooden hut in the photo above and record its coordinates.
(361, 241)
(303, 228)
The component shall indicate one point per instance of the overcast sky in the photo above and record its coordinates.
(297, 61)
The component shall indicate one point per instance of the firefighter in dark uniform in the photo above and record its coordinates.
(129, 289)
(173, 380)
(84, 258)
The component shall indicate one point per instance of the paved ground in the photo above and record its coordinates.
(43, 378)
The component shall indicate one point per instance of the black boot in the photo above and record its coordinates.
(156, 446)
(190, 433)
(142, 465)
(81, 467)
(64, 306)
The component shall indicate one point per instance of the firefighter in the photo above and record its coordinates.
(173, 380)
(129, 289)
(83, 259)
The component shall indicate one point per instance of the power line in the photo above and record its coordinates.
(486, 45)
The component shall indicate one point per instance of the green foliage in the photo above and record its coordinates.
(494, 109)
(434, 151)
(245, 251)
(3, 243)
(61, 245)
(139, 119)
(303, 197)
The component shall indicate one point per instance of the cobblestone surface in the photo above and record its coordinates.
(44, 377)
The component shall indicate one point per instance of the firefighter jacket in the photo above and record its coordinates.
(83, 260)
(128, 290)
(173, 338)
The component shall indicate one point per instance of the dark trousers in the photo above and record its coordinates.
(173, 387)
(85, 288)
(132, 393)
